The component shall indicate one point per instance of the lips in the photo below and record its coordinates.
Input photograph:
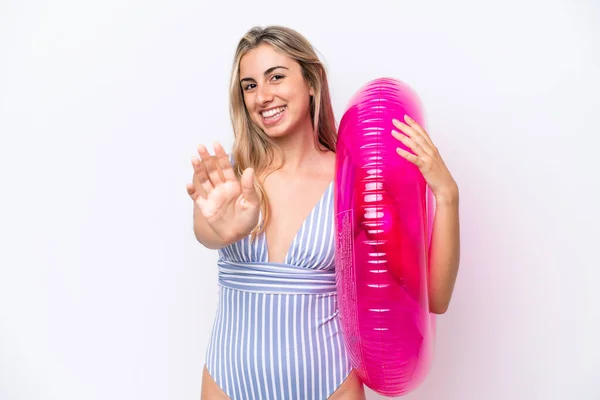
(273, 115)
(272, 112)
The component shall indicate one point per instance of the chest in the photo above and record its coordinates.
(292, 205)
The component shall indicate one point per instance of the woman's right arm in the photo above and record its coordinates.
(225, 209)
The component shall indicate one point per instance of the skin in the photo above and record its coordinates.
(222, 204)
(444, 252)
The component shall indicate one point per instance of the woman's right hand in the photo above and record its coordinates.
(230, 207)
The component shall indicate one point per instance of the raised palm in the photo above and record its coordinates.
(230, 207)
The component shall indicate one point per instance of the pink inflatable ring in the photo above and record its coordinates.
(384, 214)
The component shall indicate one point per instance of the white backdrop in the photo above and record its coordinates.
(104, 292)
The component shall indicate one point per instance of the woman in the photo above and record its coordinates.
(268, 209)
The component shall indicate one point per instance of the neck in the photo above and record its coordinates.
(299, 149)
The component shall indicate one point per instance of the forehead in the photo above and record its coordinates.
(258, 60)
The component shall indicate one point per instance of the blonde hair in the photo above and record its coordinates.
(252, 147)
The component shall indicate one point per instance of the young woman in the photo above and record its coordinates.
(268, 209)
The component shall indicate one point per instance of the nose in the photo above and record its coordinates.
(264, 95)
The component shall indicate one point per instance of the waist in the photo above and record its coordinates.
(275, 278)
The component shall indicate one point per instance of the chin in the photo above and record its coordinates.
(276, 132)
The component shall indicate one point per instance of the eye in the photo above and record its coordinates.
(248, 86)
(278, 76)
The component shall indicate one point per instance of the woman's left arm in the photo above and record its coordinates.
(444, 252)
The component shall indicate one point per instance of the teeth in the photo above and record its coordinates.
(273, 112)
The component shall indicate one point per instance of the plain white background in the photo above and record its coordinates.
(104, 292)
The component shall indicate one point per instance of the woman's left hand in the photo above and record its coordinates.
(426, 158)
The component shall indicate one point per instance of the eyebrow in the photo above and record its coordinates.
(267, 72)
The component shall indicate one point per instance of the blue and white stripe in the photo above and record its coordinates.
(277, 333)
(312, 247)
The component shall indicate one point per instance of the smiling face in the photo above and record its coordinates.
(275, 92)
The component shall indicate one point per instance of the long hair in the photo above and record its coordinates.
(252, 147)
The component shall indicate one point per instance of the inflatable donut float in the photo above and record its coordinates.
(384, 212)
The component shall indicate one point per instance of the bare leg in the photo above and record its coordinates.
(210, 390)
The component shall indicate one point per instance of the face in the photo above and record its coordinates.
(275, 93)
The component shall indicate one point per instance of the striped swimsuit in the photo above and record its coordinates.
(276, 333)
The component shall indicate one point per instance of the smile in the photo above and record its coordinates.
(273, 115)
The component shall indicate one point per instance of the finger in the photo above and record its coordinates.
(190, 190)
(210, 166)
(409, 156)
(409, 142)
(201, 179)
(194, 192)
(415, 136)
(415, 125)
(224, 163)
(248, 189)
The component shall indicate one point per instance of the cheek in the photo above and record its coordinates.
(302, 100)
(248, 101)
(297, 96)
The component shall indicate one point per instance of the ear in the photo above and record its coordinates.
(311, 91)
